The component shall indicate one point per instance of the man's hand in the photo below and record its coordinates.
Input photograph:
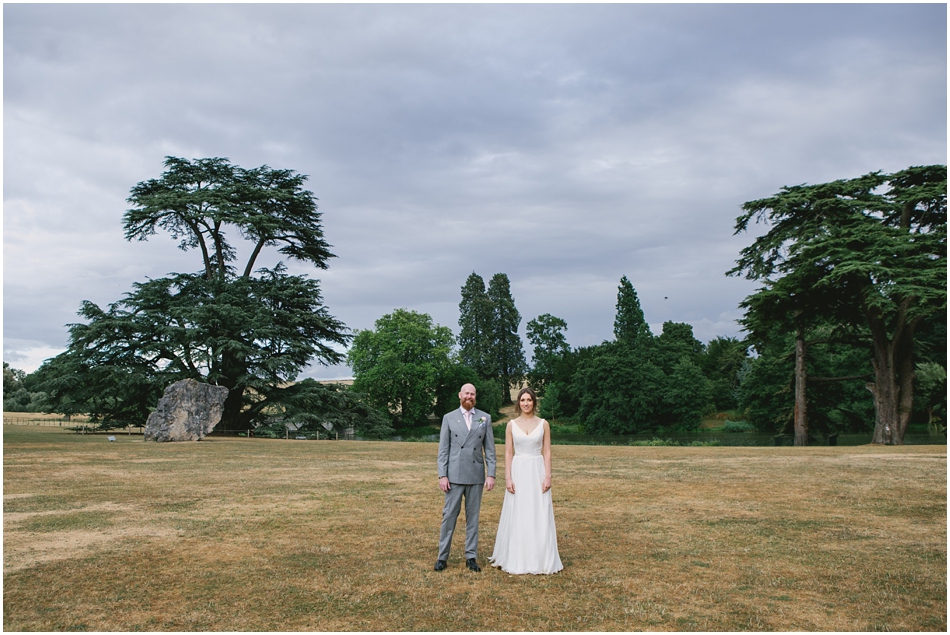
(489, 483)
(444, 484)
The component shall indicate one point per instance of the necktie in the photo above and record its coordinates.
(468, 419)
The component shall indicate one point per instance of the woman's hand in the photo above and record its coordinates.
(510, 485)
(546, 484)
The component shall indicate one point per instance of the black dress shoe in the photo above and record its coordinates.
(472, 564)
(440, 565)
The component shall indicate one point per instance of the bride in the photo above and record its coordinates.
(527, 541)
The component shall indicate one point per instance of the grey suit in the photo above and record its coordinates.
(463, 457)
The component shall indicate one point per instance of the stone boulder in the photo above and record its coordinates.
(187, 411)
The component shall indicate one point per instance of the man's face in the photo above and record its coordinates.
(467, 396)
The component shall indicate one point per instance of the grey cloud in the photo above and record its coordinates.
(572, 144)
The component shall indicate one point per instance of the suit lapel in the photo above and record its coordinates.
(460, 425)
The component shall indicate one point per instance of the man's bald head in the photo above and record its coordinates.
(467, 397)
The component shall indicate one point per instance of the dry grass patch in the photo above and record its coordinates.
(256, 534)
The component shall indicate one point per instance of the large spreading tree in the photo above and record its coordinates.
(251, 329)
(864, 254)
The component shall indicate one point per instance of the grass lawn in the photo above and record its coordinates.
(233, 534)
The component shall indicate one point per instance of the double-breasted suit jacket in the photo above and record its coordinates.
(465, 455)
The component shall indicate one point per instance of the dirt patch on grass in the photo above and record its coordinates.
(35, 537)
(29, 549)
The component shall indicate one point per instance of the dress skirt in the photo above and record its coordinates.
(527, 539)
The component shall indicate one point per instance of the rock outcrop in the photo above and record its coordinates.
(188, 411)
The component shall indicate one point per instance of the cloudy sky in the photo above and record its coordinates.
(564, 145)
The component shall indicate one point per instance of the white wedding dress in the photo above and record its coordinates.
(527, 541)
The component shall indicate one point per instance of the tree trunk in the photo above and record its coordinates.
(234, 417)
(893, 387)
(231, 417)
(506, 390)
(801, 382)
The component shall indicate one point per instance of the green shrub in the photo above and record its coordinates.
(654, 442)
(738, 426)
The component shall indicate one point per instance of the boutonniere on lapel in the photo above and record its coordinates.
(481, 421)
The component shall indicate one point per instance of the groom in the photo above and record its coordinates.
(466, 435)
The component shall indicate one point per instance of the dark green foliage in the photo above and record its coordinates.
(251, 332)
(675, 343)
(488, 338)
(454, 376)
(930, 339)
(931, 349)
(248, 334)
(629, 324)
(11, 379)
(842, 405)
(198, 201)
(738, 426)
(765, 393)
(931, 395)
(507, 353)
(552, 404)
(114, 395)
(18, 395)
(568, 398)
(399, 366)
(639, 382)
(488, 397)
(686, 396)
(619, 389)
(546, 334)
(766, 386)
(476, 331)
(561, 400)
(864, 253)
(309, 405)
(723, 358)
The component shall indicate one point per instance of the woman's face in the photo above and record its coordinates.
(526, 403)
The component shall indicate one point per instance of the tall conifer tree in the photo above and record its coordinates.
(475, 327)
(630, 326)
(507, 350)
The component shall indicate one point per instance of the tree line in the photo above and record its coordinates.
(847, 332)
(634, 383)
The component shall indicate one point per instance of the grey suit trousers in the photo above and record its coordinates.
(450, 514)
